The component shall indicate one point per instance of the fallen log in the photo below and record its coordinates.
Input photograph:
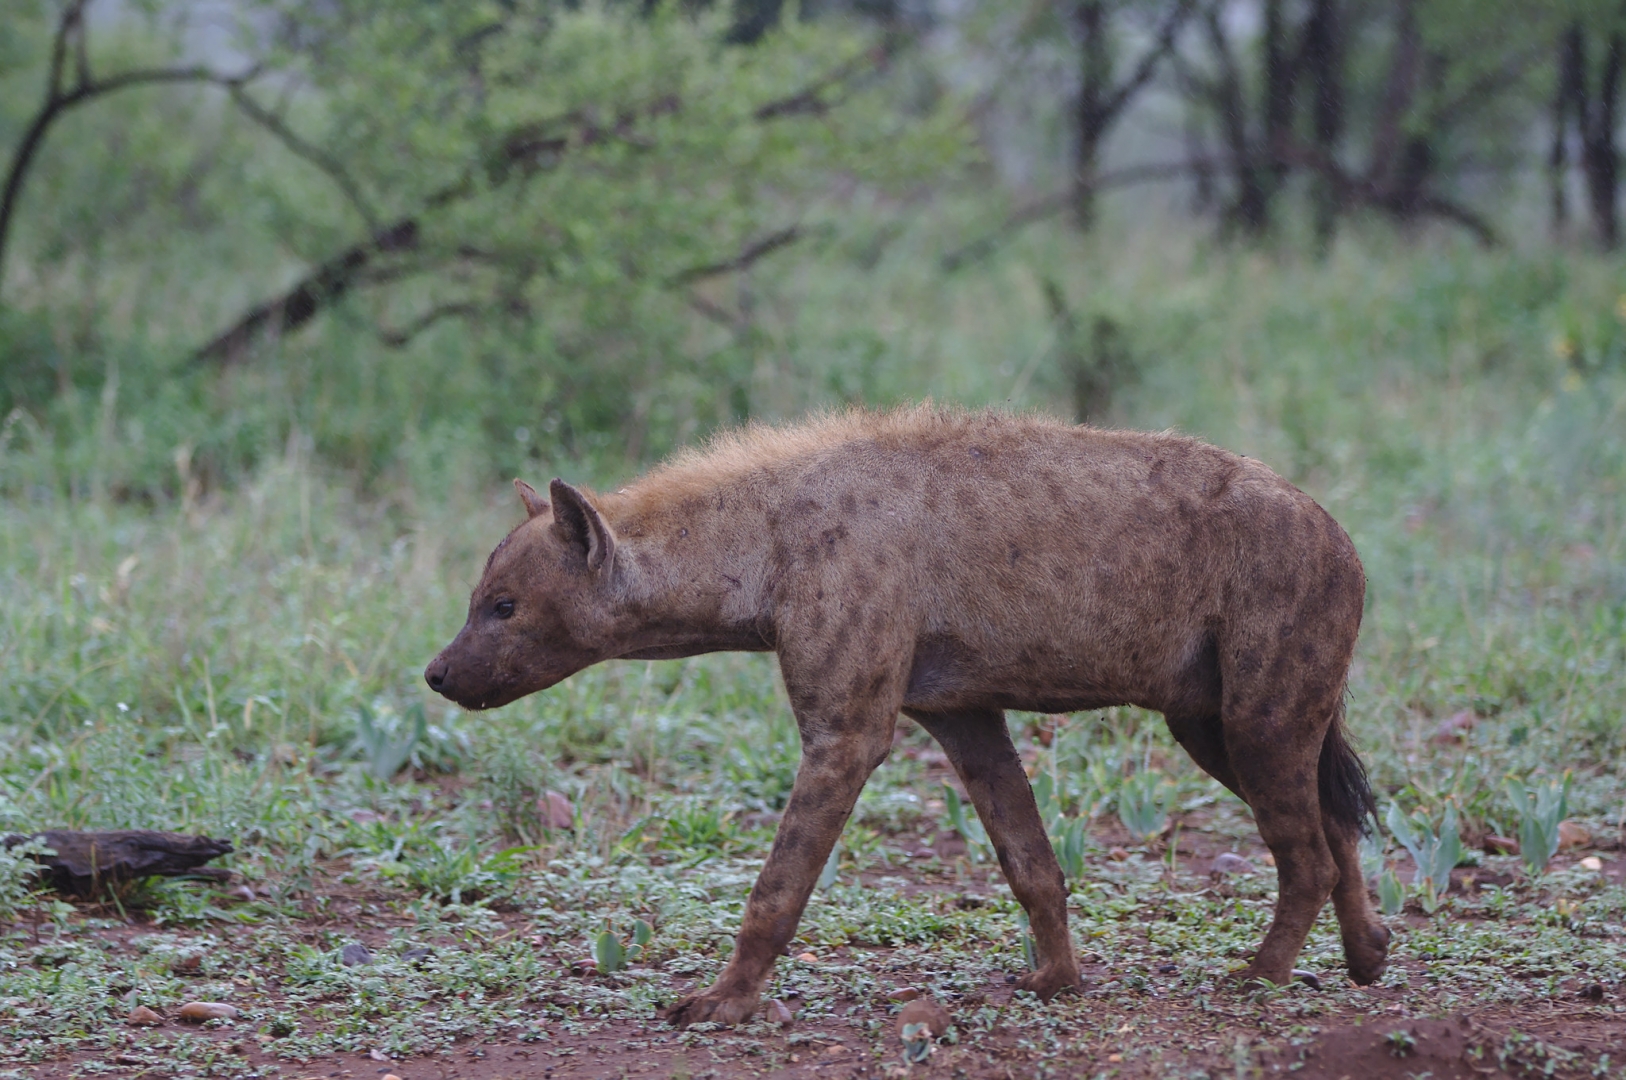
(84, 860)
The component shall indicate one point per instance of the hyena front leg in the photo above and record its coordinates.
(842, 743)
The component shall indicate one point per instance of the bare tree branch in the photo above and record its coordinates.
(766, 246)
(86, 88)
(292, 140)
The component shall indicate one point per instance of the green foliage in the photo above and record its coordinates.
(386, 746)
(1539, 809)
(962, 818)
(611, 954)
(456, 874)
(1143, 805)
(19, 873)
(1434, 853)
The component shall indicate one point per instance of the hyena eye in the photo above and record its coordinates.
(505, 608)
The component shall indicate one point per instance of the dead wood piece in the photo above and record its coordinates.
(82, 860)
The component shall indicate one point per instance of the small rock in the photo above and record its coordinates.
(196, 1012)
(186, 965)
(835, 1049)
(1308, 978)
(585, 966)
(377, 1055)
(1268, 859)
(389, 1076)
(1500, 845)
(556, 811)
(417, 957)
(1454, 728)
(1231, 863)
(1115, 1058)
(355, 954)
(1591, 992)
(1167, 969)
(1572, 834)
(141, 1016)
(903, 993)
(924, 1010)
(246, 893)
(807, 958)
(1591, 862)
(779, 1013)
(1117, 854)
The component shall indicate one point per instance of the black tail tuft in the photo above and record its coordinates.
(1346, 793)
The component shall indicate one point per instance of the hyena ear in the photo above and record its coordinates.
(579, 522)
(535, 505)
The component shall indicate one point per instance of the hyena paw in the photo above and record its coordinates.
(712, 1006)
(1367, 954)
(1050, 980)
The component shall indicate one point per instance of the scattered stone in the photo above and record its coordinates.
(1572, 834)
(586, 966)
(1231, 863)
(141, 1016)
(1308, 978)
(1167, 969)
(1117, 854)
(807, 958)
(1454, 728)
(377, 1055)
(556, 811)
(186, 965)
(389, 1076)
(196, 1012)
(1500, 845)
(779, 1013)
(417, 957)
(836, 1048)
(924, 1010)
(1591, 992)
(1591, 862)
(355, 954)
(246, 893)
(903, 993)
(1268, 859)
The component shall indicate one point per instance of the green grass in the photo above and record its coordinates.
(221, 662)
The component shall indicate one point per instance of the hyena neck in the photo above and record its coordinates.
(694, 571)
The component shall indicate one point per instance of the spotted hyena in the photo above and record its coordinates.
(951, 565)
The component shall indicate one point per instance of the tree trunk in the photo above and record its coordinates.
(1323, 58)
(1090, 118)
(1280, 76)
(1599, 157)
(1569, 108)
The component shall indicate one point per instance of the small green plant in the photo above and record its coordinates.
(1143, 805)
(1391, 893)
(966, 824)
(611, 954)
(19, 876)
(460, 875)
(917, 1043)
(832, 869)
(1400, 1043)
(1025, 932)
(1433, 853)
(386, 742)
(700, 828)
(1067, 835)
(1540, 809)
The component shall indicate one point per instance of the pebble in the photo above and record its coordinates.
(197, 1012)
(1591, 862)
(903, 993)
(186, 965)
(1117, 854)
(355, 955)
(779, 1013)
(417, 956)
(808, 958)
(141, 1016)
(1501, 845)
(836, 1049)
(389, 1076)
(1231, 863)
(924, 1010)
(556, 810)
(1572, 834)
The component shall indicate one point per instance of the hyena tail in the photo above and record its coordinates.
(1346, 794)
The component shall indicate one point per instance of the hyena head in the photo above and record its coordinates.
(542, 610)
